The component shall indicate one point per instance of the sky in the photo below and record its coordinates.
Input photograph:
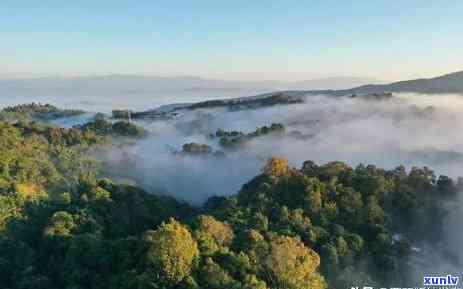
(232, 40)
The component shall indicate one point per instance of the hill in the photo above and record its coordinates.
(449, 83)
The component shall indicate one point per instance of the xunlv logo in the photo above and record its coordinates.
(442, 280)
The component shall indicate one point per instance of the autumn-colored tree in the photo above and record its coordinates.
(221, 232)
(171, 251)
(212, 234)
(290, 264)
(276, 167)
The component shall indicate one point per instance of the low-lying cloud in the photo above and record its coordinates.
(410, 130)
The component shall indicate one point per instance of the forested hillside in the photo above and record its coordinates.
(63, 225)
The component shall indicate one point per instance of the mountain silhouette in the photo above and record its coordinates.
(449, 83)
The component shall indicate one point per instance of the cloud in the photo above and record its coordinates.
(410, 130)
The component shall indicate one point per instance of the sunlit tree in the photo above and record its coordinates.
(290, 264)
(171, 251)
(276, 167)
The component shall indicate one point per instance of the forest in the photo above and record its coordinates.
(65, 224)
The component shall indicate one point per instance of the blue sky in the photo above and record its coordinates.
(242, 40)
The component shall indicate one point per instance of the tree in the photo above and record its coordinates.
(310, 169)
(15, 258)
(251, 282)
(276, 167)
(10, 208)
(212, 234)
(330, 257)
(171, 251)
(87, 262)
(196, 149)
(61, 224)
(351, 205)
(314, 196)
(290, 264)
(446, 185)
(375, 214)
(355, 242)
(341, 246)
(333, 170)
(215, 277)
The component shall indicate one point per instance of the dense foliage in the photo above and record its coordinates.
(237, 139)
(103, 127)
(347, 215)
(199, 150)
(36, 111)
(35, 157)
(196, 148)
(279, 98)
(308, 228)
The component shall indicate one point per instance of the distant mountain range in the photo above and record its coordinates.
(121, 85)
(449, 83)
(104, 93)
